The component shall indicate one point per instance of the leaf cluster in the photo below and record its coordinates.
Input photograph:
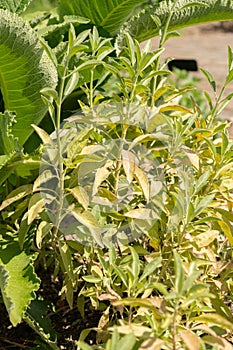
(128, 200)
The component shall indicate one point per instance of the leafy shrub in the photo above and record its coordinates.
(128, 201)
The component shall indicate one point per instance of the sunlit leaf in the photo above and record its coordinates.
(150, 268)
(179, 272)
(16, 195)
(43, 229)
(206, 238)
(100, 176)
(35, 206)
(140, 213)
(92, 279)
(215, 319)
(210, 78)
(143, 182)
(80, 195)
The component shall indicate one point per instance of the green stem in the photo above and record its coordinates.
(60, 169)
(119, 160)
(162, 40)
(91, 91)
(174, 328)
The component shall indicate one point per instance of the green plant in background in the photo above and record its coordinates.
(25, 69)
(112, 18)
(128, 200)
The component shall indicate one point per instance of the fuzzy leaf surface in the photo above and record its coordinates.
(25, 69)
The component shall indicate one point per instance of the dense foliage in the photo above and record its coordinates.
(127, 197)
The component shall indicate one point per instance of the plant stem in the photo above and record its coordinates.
(119, 160)
(174, 329)
(161, 43)
(60, 172)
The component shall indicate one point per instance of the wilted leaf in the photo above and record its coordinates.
(205, 238)
(217, 341)
(190, 339)
(135, 302)
(152, 344)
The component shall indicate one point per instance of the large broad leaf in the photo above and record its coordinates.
(184, 13)
(108, 14)
(14, 5)
(25, 69)
(18, 281)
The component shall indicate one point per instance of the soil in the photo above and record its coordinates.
(66, 322)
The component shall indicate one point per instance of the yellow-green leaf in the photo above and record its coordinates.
(100, 176)
(139, 213)
(43, 229)
(227, 229)
(215, 319)
(128, 161)
(16, 194)
(80, 195)
(143, 182)
(171, 107)
(205, 238)
(43, 135)
(35, 206)
(138, 330)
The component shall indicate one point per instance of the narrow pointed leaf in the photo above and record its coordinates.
(16, 194)
(143, 182)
